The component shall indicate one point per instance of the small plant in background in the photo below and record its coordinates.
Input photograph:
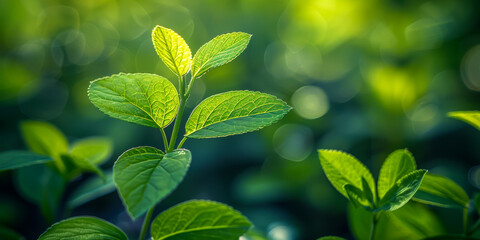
(43, 173)
(397, 184)
(145, 175)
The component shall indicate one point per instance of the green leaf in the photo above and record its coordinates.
(470, 117)
(45, 139)
(219, 51)
(76, 165)
(145, 175)
(146, 99)
(331, 238)
(440, 191)
(17, 159)
(172, 49)
(342, 168)
(412, 221)
(91, 189)
(95, 150)
(42, 186)
(83, 228)
(398, 164)
(357, 197)
(233, 113)
(199, 219)
(403, 190)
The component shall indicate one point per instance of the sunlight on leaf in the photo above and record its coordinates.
(440, 191)
(146, 99)
(470, 117)
(95, 150)
(403, 190)
(172, 49)
(219, 51)
(199, 219)
(83, 228)
(234, 112)
(397, 165)
(342, 168)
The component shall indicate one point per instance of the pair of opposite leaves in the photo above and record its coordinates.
(145, 175)
(398, 182)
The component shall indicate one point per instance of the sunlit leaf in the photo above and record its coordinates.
(145, 175)
(44, 138)
(91, 189)
(146, 99)
(172, 49)
(470, 117)
(17, 159)
(342, 168)
(403, 190)
(441, 191)
(218, 51)
(94, 150)
(397, 165)
(233, 113)
(83, 228)
(199, 219)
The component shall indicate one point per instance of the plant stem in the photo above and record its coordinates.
(165, 140)
(182, 142)
(374, 225)
(176, 125)
(146, 223)
(465, 221)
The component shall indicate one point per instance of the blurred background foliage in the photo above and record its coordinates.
(366, 77)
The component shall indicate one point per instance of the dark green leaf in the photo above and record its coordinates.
(233, 113)
(8, 234)
(91, 189)
(145, 175)
(83, 228)
(199, 220)
(146, 99)
(17, 159)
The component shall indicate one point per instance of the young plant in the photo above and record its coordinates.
(44, 171)
(398, 181)
(146, 175)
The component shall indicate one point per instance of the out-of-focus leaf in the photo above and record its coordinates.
(83, 228)
(398, 164)
(234, 112)
(331, 238)
(219, 51)
(342, 168)
(199, 219)
(441, 191)
(470, 117)
(145, 175)
(95, 150)
(8, 234)
(146, 99)
(17, 159)
(44, 138)
(403, 190)
(172, 49)
(412, 221)
(91, 189)
(76, 165)
(41, 185)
